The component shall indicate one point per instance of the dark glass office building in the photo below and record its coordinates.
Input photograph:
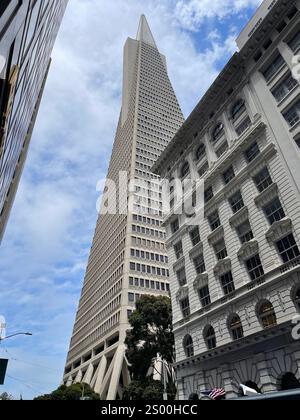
(28, 30)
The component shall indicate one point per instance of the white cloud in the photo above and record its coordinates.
(192, 13)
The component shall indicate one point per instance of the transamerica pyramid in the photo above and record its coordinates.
(128, 256)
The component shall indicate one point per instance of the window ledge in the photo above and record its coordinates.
(196, 249)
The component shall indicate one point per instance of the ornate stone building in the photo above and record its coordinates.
(235, 277)
(128, 256)
(28, 30)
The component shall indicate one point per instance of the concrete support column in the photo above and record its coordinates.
(89, 375)
(101, 373)
(116, 373)
(78, 378)
(193, 169)
(267, 382)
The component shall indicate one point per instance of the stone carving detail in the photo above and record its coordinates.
(248, 250)
(279, 229)
(201, 281)
(182, 293)
(223, 266)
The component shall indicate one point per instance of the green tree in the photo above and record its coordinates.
(71, 393)
(150, 335)
(6, 397)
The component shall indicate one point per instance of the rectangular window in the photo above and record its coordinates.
(284, 88)
(132, 266)
(243, 126)
(252, 152)
(208, 194)
(255, 268)
(131, 297)
(202, 171)
(274, 68)
(195, 236)
(222, 149)
(181, 277)
(292, 116)
(227, 283)
(287, 248)
(185, 307)
(204, 296)
(131, 281)
(228, 175)
(244, 232)
(175, 226)
(294, 44)
(274, 211)
(236, 202)
(220, 250)
(263, 180)
(214, 220)
(199, 264)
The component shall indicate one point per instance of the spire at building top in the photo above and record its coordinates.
(144, 32)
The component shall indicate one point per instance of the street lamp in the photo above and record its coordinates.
(14, 335)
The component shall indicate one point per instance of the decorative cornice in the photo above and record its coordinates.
(201, 281)
(196, 250)
(279, 229)
(267, 195)
(216, 235)
(240, 217)
(182, 293)
(248, 249)
(222, 267)
(179, 264)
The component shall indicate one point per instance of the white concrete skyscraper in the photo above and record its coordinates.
(128, 256)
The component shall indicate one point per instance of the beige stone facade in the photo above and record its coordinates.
(235, 277)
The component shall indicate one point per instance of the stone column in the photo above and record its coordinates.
(297, 360)
(267, 382)
(227, 381)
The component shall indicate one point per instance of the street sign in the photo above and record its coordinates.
(3, 367)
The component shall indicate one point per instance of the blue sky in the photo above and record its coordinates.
(46, 245)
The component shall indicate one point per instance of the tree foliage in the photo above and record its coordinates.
(71, 393)
(150, 335)
(6, 397)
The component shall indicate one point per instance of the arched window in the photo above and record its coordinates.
(210, 337)
(236, 327)
(297, 298)
(218, 131)
(266, 314)
(185, 169)
(188, 346)
(289, 381)
(237, 109)
(200, 151)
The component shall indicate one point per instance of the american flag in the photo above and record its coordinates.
(217, 393)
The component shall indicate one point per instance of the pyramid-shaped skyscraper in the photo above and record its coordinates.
(128, 256)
